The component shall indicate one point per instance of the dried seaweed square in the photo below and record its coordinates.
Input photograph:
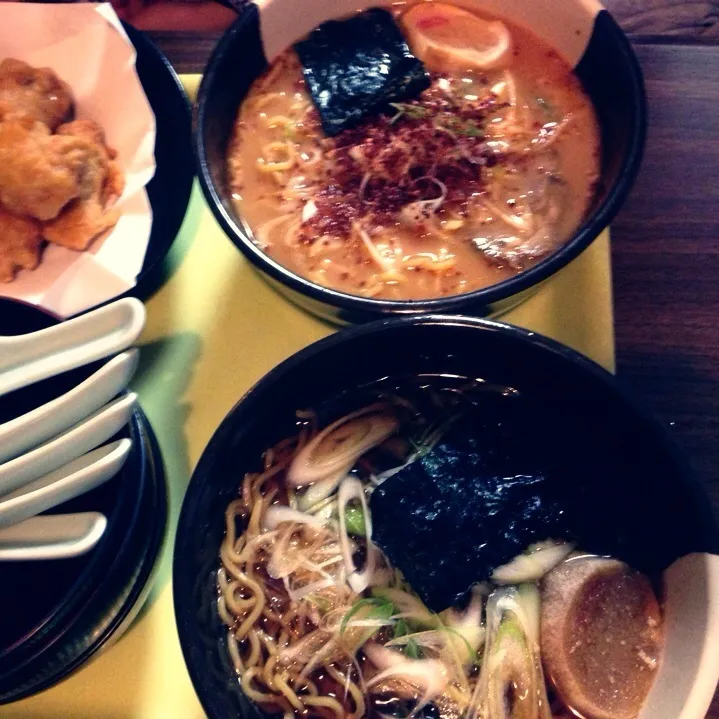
(356, 67)
(479, 498)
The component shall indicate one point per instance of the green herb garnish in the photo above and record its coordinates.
(471, 653)
(378, 609)
(401, 628)
(320, 602)
(414, 112)
(470, 129)
(354, 521)
(412, 650)
(457, 126)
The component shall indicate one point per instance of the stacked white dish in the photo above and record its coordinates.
(76, 446)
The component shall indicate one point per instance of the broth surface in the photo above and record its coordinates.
(329, 210)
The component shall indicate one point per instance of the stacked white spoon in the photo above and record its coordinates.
(60, 450)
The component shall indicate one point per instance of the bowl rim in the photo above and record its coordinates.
(591, 228)
(258, 393)
(173, 118)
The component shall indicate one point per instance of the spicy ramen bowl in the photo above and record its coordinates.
(629, 483)
(579, 34)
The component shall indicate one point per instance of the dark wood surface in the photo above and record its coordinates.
(687, 19)
(666, 239)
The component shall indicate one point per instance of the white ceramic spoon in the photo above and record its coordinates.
(64, 484)
(90, 433)
(29, 358)
(33, 428)
(56, 536)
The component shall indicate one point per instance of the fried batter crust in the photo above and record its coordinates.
(20, 244)
(41, 173)
(33, 93)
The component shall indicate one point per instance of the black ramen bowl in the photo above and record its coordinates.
(58, 614)
(632, 480)
(582, 32)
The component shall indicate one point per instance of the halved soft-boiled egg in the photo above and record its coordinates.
(446, 37)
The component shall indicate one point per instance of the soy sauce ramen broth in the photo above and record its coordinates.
(496, 170)
(373, 617)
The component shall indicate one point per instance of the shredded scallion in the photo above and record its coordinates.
(354, 521)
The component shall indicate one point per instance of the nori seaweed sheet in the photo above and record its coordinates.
(356, 67)
(517, 470)
(521, 466)
(480, 497)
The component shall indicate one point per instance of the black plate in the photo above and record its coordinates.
(61, 612)
(169, 190)
(625, 454)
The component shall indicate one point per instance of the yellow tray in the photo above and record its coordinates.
(213, 330)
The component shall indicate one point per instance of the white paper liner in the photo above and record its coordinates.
(87, 48)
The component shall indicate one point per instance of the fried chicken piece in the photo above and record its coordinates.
(114, 184)
(34, 93)
(20, 244)
(88, 130)
(92, 132)
(81, 222)
(41, 173)
(85, 219)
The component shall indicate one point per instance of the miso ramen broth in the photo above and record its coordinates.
(479, 177)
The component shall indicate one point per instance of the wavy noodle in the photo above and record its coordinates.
(284, 687)
(393, 277)
(264, 231)
(256, 695)
(263, 624)
(328, 702)
(430, 261)
(279, 121)
(350, 688)
(287, 154)
(255, 650)
(224, 613)
(373, 252)
(325, 244)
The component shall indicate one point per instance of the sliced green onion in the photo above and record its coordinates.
(355, 521)
(415, 112)
(532, 564)
(511, 684)
(373, 603)
(330, 454)
(412, 650)
(364, 610)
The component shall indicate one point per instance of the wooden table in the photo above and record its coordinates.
(666, 239)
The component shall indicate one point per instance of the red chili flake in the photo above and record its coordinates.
(377, 168)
